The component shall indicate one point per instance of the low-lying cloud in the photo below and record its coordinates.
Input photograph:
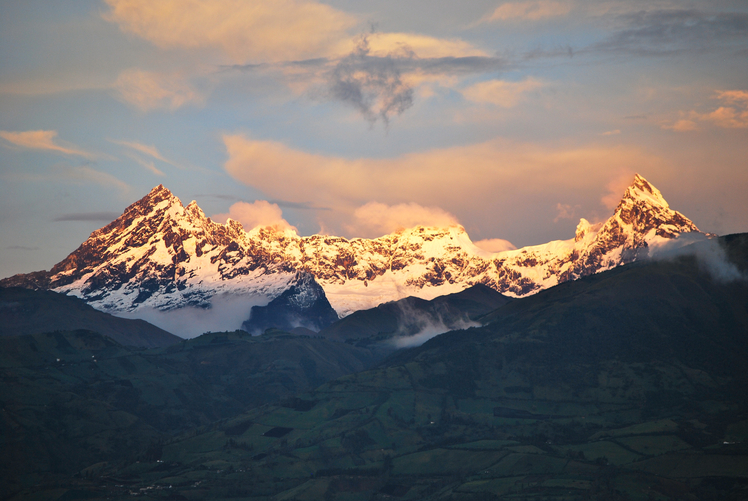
(226, 313)
(709, 254)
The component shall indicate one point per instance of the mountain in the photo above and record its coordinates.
(411, 320)
(628, 384)
(303, 304)
(76, 399)
(25, 311)
(160, 254)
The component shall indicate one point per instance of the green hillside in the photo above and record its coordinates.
(26, 311)
(626, 385)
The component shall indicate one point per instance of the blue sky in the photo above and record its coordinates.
(514, 119)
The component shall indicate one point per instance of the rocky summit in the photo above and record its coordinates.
(161, 254)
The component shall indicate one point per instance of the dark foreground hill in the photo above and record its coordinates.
(630, 384)
(26, 311)
(73, 399)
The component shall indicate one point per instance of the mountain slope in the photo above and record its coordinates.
(24, 311)
(163, 255)
(629, 384)
(74, 399)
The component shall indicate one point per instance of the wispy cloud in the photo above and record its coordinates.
(84, 173)
(149, 150)
(44, 140)
(88, 217)
(532, 10)
(147, 91)
(611, 132)
(660, 32)
(147, 164)
(501, 92)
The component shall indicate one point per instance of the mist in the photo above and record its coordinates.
(226, 313)
(709, 254)
(417, 327)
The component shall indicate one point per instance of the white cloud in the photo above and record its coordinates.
(151, 91)
(501, 92)
(256, 214)
(43, 140)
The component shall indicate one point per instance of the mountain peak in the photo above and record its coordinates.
(642, 190)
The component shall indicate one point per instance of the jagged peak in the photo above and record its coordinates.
(642, 190)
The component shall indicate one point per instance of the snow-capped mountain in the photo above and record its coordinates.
(163, 255)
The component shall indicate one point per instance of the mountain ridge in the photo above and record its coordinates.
(164, 255)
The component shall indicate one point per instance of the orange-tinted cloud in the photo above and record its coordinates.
(244, 30)
(380, 219)
(43, 140)
(733, 114)
(148, 90)
(532, 10)
(616, 187)
(500, 92)
(495, 245)
(255, 214)
(451, 178)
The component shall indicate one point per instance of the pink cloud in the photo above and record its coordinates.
(259, 213)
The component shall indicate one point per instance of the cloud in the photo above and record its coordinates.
(383, 219)
(669, 31)
(149, 150)
(106, 217)
(733, 114)
(256, 214)
(371, 85)
(87, 174)
(149, 91)
(243, 30)
(495, 245)
(500, 92)
(682, 125)
(413, 45)
(533, 10)
(611, 132)
(148, 164)
(616, 187)
(709, 254)
(43, 140)
(461, 178)
(565, 211)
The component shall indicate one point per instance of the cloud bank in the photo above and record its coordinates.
(259, 213)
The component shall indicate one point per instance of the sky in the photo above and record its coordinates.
(513, 119)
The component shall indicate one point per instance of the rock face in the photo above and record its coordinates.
(163, 255)
(303, 304)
